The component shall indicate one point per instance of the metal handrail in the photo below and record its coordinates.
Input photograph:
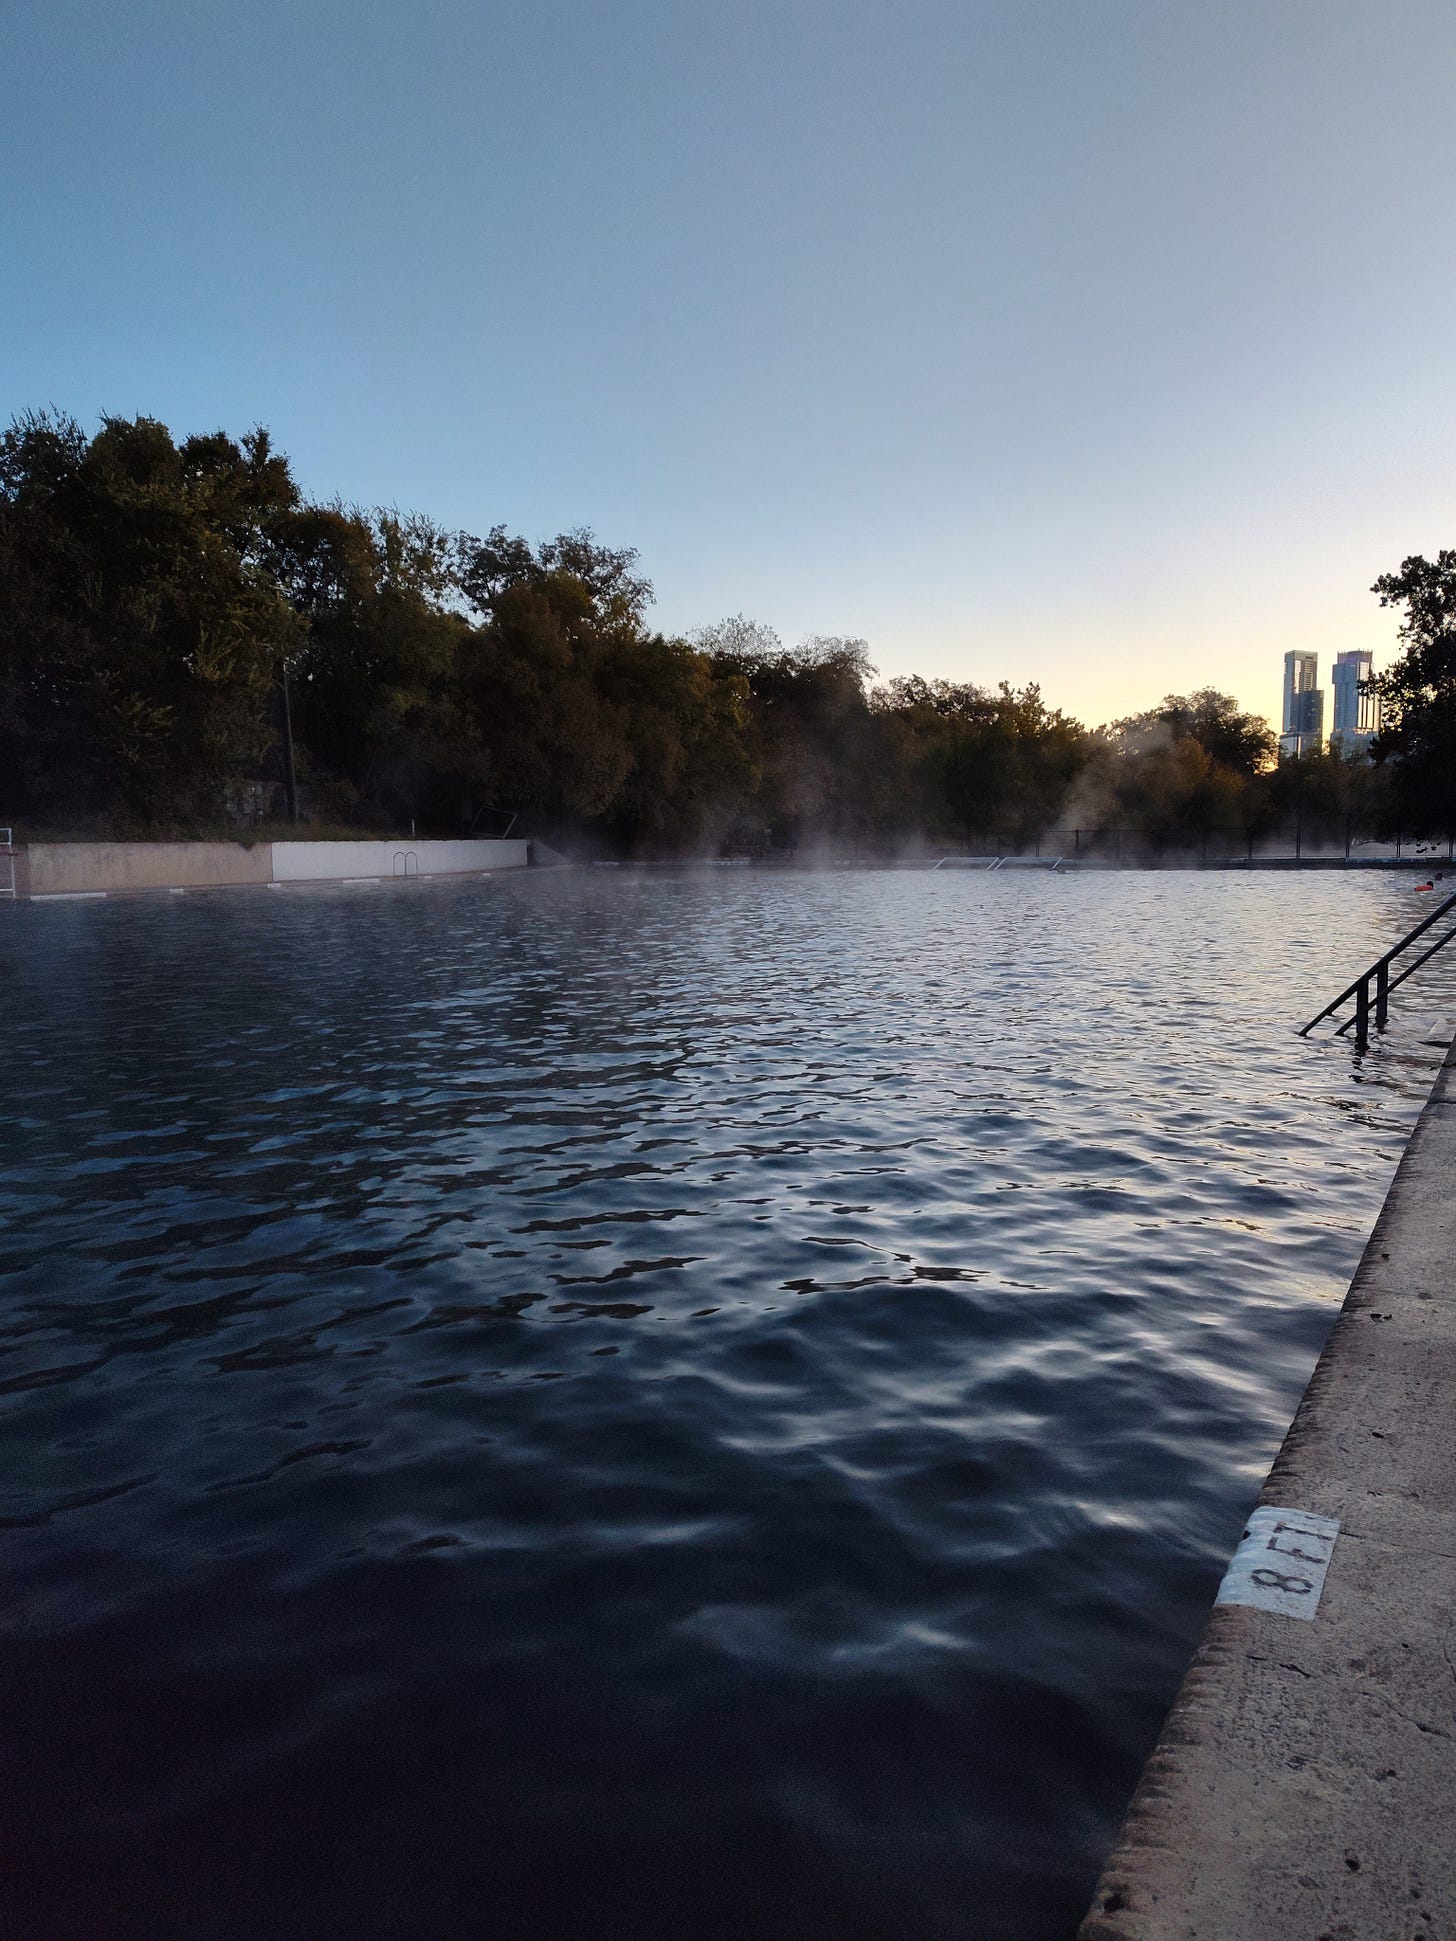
(1379, 975)
(1049, 863)
(512, 816)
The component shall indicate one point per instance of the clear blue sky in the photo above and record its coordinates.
(1106, 345)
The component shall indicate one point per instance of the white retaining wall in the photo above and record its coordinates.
(320, 862)
(66, 869)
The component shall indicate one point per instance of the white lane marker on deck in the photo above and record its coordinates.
(1281, 1561)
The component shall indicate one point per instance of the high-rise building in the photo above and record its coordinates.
(1357, 713)
(1304, 706)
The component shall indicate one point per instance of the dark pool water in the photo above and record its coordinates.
(682, 1405)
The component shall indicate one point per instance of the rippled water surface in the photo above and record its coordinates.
(681, 1405)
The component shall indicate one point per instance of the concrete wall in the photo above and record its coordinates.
(317, 862)
(73, 868)
(84, 868)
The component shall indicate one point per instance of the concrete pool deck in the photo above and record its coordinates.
(1304, 1786)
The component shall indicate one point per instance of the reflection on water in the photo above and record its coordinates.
(704, 1404)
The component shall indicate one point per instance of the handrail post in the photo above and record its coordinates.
(1380, 971)
(1362, 1015)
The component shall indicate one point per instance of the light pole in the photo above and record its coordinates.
(290, 780)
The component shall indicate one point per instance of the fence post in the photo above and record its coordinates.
(1362, 1015)
(1382, 995)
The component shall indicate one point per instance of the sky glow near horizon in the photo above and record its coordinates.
(1108, 346)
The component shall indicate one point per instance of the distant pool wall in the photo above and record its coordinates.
(321, 862)
(72, 869)
(89, 868)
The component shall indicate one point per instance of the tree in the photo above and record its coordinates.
(1417, 738)
(585, 715)
(152, 592)
(1243, 743)
(690, 768)
(379, 688)
(808, 731)
(486, 569)
(140, 630)
(982, 763)
(1175, 792)
(738, 645)
(1331, 792)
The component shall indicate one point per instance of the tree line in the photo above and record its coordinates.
(188, 643)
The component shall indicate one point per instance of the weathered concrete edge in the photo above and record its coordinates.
(1223, 1841)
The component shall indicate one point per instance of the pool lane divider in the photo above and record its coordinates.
(1304, 1785)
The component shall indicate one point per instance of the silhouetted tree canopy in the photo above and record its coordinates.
(154, 597)
(140, 626)
(1242, 743)
(1417, 739)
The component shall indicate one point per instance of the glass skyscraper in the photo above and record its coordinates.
(1304, 706)
(1357, 715)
